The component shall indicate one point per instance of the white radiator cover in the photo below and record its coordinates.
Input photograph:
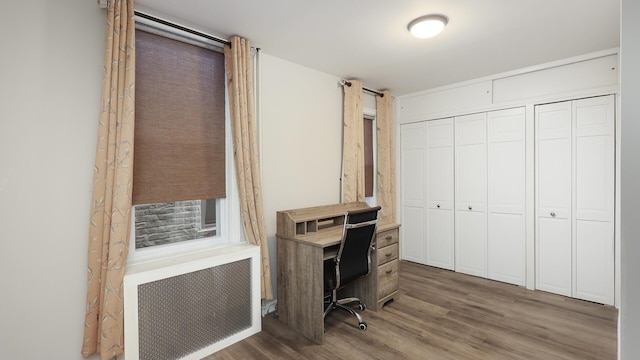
(191, 308)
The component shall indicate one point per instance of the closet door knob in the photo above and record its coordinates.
(470, 208)
(553, 214)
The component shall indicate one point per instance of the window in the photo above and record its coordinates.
(368, 157)
(181, 147)
(370, 150)
(170, 222)
(209, 213)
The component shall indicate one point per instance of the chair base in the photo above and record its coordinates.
(332, 303)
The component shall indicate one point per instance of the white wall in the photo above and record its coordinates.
(301, 141)
(50, 71)
(629, 325)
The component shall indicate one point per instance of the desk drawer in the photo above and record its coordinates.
(386, 238)
(387, 278)
(387, 254)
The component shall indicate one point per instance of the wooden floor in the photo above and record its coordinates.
(446, 315)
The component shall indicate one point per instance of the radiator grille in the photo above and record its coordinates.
(183, 314)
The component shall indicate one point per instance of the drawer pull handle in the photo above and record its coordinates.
(470, 208)
(388, 255)
(388, 237)
(438, 206)
(389, 271)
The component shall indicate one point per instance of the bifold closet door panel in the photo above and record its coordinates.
(553, 198)
(553, 256)
(471, 243)
(413, 175)
(471, 162)
(593, 221)
(440, 251)
(506, 195)
(440, 188)
(471, 194)
(506, 248)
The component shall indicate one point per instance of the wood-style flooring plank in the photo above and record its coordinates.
(446, 315)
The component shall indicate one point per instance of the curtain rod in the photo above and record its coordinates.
(182, 28)
(348, 83)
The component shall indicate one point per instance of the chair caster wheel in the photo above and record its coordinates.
(362, 306)
(362, 326)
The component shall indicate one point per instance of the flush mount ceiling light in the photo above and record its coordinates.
(427, 26)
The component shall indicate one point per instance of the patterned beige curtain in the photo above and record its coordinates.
(239, 69)
(110, 221)
(386, 192)
(353, 142)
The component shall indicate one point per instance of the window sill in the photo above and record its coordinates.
(187, 257)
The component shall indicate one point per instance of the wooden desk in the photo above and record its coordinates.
(305, 238)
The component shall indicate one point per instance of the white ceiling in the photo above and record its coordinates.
(368, 39)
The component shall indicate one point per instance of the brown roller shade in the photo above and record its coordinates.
(179, 149)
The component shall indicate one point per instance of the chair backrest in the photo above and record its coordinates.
(354, 256)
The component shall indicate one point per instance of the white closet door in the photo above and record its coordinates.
(413, 175)
(440, 251)
(506, 195)
(593, 205)
(471, 195)
(553, 198)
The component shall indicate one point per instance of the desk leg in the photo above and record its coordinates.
(300, 288)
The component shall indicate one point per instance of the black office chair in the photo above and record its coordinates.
(352, 261)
